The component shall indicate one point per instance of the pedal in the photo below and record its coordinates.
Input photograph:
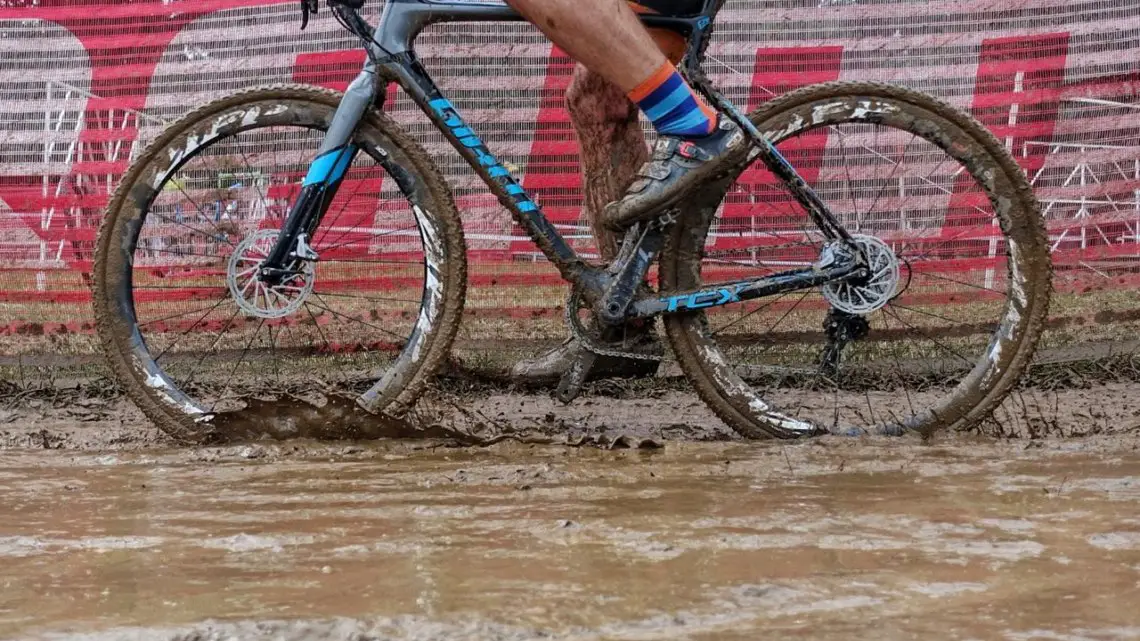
(571, 384)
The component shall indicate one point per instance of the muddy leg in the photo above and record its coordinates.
(610, 138)
(612, 147)
(612, 150)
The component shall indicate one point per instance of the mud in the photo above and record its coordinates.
(631, 514)
(835, 538)
(79, 416)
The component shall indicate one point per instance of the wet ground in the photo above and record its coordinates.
(837, 538)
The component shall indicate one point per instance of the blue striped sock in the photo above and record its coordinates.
(672, 106)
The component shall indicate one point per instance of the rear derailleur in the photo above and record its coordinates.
(841, 329)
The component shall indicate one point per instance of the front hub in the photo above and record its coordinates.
(266, 297)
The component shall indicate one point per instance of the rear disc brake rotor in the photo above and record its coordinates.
(862, 297)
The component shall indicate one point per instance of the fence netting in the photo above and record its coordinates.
(85, 85)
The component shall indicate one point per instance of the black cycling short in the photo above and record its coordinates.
(671, 8)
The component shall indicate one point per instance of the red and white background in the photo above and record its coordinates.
(84, 84)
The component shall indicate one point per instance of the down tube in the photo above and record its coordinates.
(511, 194)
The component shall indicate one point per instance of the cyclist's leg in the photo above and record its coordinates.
(603, 35)
(612, 148)
(607, 37)
(610, 139)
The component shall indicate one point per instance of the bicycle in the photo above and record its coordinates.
(848, 287)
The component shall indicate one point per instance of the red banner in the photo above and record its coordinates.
(84, 84)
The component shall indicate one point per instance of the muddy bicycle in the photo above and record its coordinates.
(291, 254)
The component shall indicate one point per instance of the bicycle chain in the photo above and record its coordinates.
(586, 340)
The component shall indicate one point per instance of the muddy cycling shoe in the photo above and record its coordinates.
(678, 166)
(548, 368)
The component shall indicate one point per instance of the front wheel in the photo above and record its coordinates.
(205, 348)
(961, 278)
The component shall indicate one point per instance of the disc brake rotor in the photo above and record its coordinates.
(256, 297)
(873, 293)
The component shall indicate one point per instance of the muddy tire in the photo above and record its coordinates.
(760, 381)
(345, 345)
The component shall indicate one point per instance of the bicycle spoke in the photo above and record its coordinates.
(898, 369)
(189, 329)
(379, 261)
(925, 313)
(887, 181)
(220, 288)
(344, 206)
(889, 310)
(943, 243)
(356, 320)
(781, 319)
(273, 354)
(850, 183)
(751, 313)
(180, 314)
(198, 208)
(213, 344)
(368, 238)
(371, 298)
(264, 200)
(241, 358)
(959, 282)
(183, 253)
(218, 236)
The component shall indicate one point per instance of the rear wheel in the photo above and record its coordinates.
(942, 330)
(207, 350)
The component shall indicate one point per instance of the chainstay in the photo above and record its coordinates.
(583, 335)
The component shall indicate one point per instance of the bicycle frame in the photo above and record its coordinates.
(611, 291)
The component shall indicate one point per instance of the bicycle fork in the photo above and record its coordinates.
(324, 177)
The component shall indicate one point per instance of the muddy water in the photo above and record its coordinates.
(827, 540)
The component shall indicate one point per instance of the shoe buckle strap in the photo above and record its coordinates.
(686, 149)
(655, 170)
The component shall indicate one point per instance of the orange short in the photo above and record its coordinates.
(672, 44)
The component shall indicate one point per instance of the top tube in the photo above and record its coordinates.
(402, 20)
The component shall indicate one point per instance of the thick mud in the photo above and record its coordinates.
(630, 514)
(835, 538)
(643, 414)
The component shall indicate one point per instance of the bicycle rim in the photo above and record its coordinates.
(224, 353)
(955, 243)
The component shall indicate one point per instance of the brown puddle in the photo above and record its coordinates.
(872, 539)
